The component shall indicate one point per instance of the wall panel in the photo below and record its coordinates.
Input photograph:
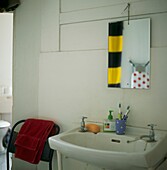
(49, 25)
(115, 11)
(73, 5)
(84, 36)
(94, 35)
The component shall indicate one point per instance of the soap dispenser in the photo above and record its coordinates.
(110, 116)
(109, 123)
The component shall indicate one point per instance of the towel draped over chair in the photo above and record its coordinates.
(31, 139)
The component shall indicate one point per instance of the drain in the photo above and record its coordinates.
(115, 140)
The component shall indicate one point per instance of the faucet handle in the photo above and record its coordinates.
(83, 128)
(83, 118)
(152, 126)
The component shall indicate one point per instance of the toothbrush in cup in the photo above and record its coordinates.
(119, 112)
(126, 114)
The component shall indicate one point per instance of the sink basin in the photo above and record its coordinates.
(109, 150)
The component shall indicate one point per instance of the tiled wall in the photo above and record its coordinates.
(70, 46)
(73, 76)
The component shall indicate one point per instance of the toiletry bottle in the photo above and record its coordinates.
(109, 123)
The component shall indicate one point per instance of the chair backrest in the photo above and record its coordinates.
(47, 153)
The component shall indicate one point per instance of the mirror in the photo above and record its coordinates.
(135, 60)
(136, 54)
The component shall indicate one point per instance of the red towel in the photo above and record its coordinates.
(31, 139)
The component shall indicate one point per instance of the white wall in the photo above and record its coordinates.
(26, 56)
(73, 64)
(6, 52)
(25, 65)
(73, 77)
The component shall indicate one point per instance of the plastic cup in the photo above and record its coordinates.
(120, 126)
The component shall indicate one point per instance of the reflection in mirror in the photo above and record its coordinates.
(135, 55)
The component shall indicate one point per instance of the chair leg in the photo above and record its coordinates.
(7, 160)
(50, 165)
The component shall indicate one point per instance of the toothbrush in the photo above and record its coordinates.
(119, 112)
(127, 112)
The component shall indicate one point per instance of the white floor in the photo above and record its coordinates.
(3, 161)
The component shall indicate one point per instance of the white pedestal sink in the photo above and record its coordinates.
(112, 151)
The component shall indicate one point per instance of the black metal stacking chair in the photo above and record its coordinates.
(47, 153)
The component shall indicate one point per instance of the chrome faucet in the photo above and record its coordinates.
(151, 135)
(83, 128)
